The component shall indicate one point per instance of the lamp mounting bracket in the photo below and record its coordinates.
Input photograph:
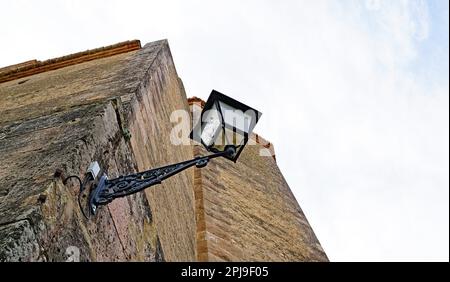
(109, 189)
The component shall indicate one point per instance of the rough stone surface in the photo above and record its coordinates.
(64, 119)
(19, 243)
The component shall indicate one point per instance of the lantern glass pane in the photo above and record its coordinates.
(212, 125)
(229, 137)
(236, 118)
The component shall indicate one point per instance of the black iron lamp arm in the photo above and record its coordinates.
(110, 189)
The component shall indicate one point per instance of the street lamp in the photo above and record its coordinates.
(224, 129)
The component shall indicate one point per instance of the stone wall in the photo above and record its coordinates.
(65, 118)
(246, 211)
(172, 202)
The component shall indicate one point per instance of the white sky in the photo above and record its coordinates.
(354, 95)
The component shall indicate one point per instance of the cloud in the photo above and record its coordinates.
(373, 5)
(371, 137)
(413, 15)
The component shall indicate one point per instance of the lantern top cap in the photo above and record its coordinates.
(217, 96)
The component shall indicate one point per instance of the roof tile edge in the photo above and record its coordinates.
(32, 67)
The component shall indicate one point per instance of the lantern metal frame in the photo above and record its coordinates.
(215, 102)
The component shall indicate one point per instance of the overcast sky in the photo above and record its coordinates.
(354, 95)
